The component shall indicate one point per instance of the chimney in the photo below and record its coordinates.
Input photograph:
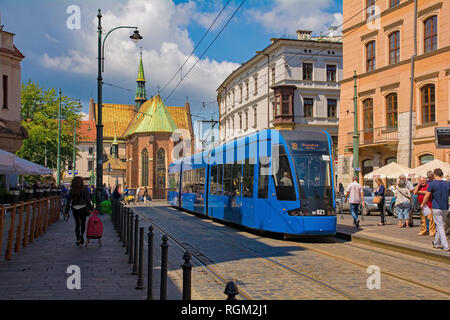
(91, 110)
(304, 34)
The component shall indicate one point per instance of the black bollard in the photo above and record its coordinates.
(164, 256)
(231, 290)
(127, 230)
(187, 268)
(140, 281)
(124, 227)
(150, 264)
(119, 221)
(136, 245)
(130, 238)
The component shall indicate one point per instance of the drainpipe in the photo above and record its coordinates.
(411, 94)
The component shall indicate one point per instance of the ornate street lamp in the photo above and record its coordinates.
(101, 46)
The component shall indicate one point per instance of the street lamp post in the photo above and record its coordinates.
(58, 164)
(101, 45)
(356, 168)
(74, 146)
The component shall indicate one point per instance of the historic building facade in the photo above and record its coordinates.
(11, 131)
(292, 83)
(379, 48)
(138, 140)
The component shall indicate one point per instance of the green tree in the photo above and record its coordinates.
(40, 117)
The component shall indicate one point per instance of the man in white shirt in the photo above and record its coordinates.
(355, 191)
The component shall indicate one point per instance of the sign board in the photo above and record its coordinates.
(76, 172)
(70, 172)
(442, 135)
(357, 169)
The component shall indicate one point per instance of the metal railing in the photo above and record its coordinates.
(374, 136)
(21, 223)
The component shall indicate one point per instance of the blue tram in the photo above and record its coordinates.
(272, 180)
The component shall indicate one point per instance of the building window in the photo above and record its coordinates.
(426, 158)
(308, 107)
(390, 160)
(277, 105)
(144, 168)
(273, 76)
(307, 71)
(368, 113)
(255, 117)
(370, 56)
(370, 8)
(246, 88)
(391, 110)
(256, 85)
(5, 92)
(331, 73)
(367, 166)
(428, 104)
(332, 108)
(234, 98)
(90, 165)
(393, 3)
(394, 47)
(285, 104)
(240, 121)
(91, 150)
(161, 168)
(430, 37)
(240, 91)
(246, 120)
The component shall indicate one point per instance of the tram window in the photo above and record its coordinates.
(219, 190)
(313, 176)
(282, 177)
(213, 180)
(237, 174)
(263, 181)
(227, 178)
(172, 182)
(248, 179)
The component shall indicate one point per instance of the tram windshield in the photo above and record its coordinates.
(314, 178)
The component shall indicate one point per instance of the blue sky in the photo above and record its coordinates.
(62, 58)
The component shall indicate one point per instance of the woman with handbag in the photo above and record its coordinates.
(80, 203)
(402, 203)
(379, 200)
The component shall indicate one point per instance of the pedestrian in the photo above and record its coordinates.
(402, 203)
(379, 193)
(116, 193)
(145, 195)
(355, 192)
(138, 191)
(341, 189)
(80, 203)
(425, 213)
(439, 190)
(430, 176)
(410, 188)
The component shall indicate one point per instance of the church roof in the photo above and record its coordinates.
(116, 164)
(87, 131)
(153, 116)
(180, 116)
(141, 76)
(115, 118)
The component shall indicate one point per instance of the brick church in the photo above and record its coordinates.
(139, 141)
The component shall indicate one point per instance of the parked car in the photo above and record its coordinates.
(368, 206)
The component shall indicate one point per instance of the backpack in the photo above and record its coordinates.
(94, 226)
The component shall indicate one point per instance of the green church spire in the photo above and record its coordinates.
(141, 95)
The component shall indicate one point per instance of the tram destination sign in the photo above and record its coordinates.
(442, 135)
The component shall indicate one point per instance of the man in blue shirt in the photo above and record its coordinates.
(439, 189)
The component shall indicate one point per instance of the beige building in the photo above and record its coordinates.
(11, 131)
(378, 46)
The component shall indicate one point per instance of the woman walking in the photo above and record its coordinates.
(80, 202)
(402, 203)
(380, 194)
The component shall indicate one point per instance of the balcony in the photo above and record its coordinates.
(380, 135)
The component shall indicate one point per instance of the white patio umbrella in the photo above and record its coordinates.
(6, 159)
(391, 171)
(430, 166)
(18, 165)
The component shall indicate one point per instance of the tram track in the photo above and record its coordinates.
(201, 259)
(311, 278)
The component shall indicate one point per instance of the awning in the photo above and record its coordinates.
(430, 166)
(391, 171)
(11, 164)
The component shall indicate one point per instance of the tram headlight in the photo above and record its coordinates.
(297, 212)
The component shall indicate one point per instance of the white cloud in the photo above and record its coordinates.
(166, 44)
(287, 16)
(84, 116)
(49, 37)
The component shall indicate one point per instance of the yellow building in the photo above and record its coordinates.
(378, 44)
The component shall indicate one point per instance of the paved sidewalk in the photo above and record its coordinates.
(390, 236)
(39, 271)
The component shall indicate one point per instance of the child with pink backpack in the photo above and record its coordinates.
(94, 228)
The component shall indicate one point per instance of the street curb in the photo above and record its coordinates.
(417, 252)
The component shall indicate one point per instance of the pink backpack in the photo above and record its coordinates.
(94, 226)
